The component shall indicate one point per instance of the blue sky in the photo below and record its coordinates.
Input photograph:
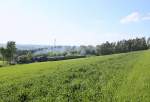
(73, 22)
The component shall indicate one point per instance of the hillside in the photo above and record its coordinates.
(117, 78)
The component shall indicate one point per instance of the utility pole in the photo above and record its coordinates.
(54, 42)
(54, 46)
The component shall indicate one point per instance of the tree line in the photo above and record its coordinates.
(10, 54)
(121, 46)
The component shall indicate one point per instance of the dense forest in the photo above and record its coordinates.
(122, 46)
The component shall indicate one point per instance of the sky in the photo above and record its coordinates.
(73, 22)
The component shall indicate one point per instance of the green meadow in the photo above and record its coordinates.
(112, 78)
(1, 62)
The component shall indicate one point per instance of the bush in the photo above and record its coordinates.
(23, 59)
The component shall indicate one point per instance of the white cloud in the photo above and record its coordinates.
(147, 17)
(133, 17)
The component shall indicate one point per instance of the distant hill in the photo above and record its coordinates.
(46, 48)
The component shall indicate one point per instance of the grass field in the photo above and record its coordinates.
(112, 78)
(1, 62)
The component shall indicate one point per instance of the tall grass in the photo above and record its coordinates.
(112, 78)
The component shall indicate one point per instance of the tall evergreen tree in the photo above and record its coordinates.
(148, 42)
